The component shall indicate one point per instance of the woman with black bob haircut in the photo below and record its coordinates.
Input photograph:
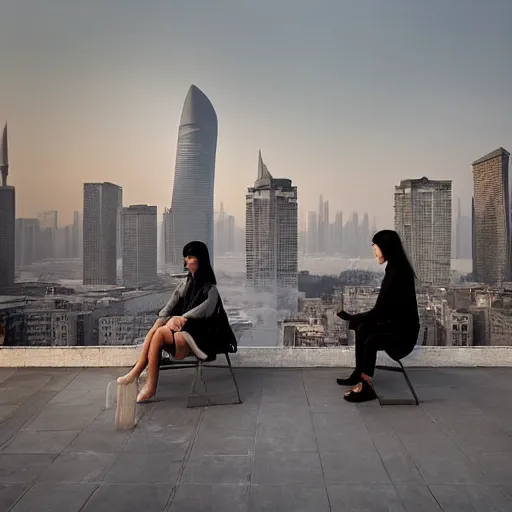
(392, 325)
(193, 322)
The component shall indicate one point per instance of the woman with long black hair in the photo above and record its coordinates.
(391, 325)
(193, 322)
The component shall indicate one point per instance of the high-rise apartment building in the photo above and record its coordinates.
(100, 235)
(7, 218)
(491, 218)
(139, 225)
(423, 219)
(27, 241)
(192, 196)
(271, 232)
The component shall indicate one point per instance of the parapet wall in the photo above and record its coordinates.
(259, 357)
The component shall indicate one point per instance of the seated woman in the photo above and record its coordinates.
(193, 322)
(393, 323)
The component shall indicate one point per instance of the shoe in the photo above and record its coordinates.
(354, 379)
(365, 395)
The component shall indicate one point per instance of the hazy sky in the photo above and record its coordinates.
(344, 97)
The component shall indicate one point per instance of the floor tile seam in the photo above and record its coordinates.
(37, 411)
(253, 456)
(464, 454)
(95, 490)
(316, 444)
(16, 407)
(186, 458)
(382, 460)
(27, 488)
(399, 440)
(2, 452)
(67, 385)
(491, 421)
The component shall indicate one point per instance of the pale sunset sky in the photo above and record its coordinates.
(344, 97)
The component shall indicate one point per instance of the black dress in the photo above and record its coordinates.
(391, 325)
(207, 321)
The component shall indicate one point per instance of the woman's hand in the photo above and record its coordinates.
(176, 323)
(344, 315)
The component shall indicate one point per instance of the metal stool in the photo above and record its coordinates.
(400, 369)
(205, 399)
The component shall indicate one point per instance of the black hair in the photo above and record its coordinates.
(393, 251)
(199, 250)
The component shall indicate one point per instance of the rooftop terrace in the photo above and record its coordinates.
(293, 445)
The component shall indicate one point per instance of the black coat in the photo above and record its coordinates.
(207, 321)
(396, 304)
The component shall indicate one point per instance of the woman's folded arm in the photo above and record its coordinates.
(206, 308)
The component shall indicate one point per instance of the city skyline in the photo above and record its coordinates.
(70, 95)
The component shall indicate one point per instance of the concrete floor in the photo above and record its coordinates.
(294, 444)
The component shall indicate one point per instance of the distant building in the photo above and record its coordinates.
(460, 329)
(100, 232)
(323, 226)
(123, 329)
(224, 232)
(48, 225)
(27, 241)
(172, 256)
(7, 218)
(139, 225)
(271, 233)
(312, 233)
(423, 219)
(463, 235)
(491, 219)
(76, 237)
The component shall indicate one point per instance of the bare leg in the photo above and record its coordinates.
(162, 336)
(142, 361)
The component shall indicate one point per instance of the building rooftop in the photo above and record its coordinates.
(494, 154)
(293, 444)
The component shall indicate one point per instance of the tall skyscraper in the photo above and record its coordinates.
(7, 217)
(271, 232)
(491, 218)
(423, 219)
(101, 206)
(27, 241)
(139, 224)
(192, 196)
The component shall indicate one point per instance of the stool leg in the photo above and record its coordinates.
(409, 383)
(234, 378)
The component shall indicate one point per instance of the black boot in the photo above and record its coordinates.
(354, 379)
(366, 394)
